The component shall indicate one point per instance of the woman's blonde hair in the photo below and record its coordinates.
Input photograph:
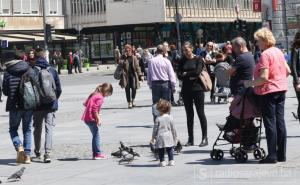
(266, 35)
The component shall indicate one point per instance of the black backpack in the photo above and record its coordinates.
(29, 90)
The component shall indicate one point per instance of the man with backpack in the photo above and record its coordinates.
(15, 70)
(50, 88)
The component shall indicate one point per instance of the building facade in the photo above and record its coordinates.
(110, 23)
(284, 18)
(21, 24)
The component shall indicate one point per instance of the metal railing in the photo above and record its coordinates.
(208, 10)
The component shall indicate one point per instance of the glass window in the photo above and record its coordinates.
(4, 6)
(17, 6)
(106, 48)
(53, 7)
(25, 6)
(35, 6)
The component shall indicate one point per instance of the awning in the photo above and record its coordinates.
(35, 37)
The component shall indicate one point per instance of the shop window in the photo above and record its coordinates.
(106, 48)
(95, 49)
(17, 6)
(5, 7)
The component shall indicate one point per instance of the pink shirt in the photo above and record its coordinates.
(272, 59)
(92, 105)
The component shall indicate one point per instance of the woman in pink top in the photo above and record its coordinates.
(91, 115)
(270, 82)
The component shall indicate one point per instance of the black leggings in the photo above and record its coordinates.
(298, 97)
(130, 89)
(189, 100)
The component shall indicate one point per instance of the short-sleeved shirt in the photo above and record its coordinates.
(244, 67)
(272, 59)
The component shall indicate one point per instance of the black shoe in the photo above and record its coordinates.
(174, 104)
(189, 144)
(281, 159)
(267, 160)
(204, 142)
(37, 154)
(47, 158)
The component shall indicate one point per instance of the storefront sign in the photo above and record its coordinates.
(256, 5)
(275, 5)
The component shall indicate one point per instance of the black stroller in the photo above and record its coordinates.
(242, 130)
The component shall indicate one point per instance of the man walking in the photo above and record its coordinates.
(46, 111)
(160, 76)
(15, 68)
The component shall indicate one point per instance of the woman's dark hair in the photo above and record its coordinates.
(296, 43)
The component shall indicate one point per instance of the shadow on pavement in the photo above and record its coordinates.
(141, 165)
(135, 126)
(8, 162)
(125, 108)
(195, 151)
(69, 159)
(209, 161)
(140, 146)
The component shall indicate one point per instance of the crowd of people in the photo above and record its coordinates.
(267, 76)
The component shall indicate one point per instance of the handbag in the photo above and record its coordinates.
(205, 78)
(119, 71)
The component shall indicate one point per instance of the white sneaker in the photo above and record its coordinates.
(171, 163)
(163, 164)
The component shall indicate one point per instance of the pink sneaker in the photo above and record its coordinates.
(99, 157)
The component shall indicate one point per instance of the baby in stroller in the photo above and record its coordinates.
(222, 82)
(243, 127)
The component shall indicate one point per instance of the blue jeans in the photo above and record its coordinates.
(161, 153)
(15, 118)
(161, 90)
(96, 137)
(273, 117)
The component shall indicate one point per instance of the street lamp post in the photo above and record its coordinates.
(177, 20)
(44, 26)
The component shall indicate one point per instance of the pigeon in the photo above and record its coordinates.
(295, 115)
(154, 150)
(178, 147)
(17, 176)
(117, 153)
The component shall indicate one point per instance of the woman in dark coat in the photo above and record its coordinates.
(295, 69)
(131, 75)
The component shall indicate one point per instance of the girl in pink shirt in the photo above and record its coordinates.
(91, 115)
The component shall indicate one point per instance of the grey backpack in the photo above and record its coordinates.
(47, 86)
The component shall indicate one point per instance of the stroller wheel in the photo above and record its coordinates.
(232, 151)
(259, 153)
(217, 154)
(241, 156)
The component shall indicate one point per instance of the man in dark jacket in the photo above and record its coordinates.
(15, 68)
(46, 111)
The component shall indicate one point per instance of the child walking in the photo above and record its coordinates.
(91, 116)
(164, 133)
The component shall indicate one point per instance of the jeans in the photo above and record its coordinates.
(161, 153)
(38, 119)
(273, 117)
(15, 118)
(189, 100)
(96, 137)
(130, 89)
(161, 90)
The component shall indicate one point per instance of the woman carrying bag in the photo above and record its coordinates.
(295, 69)
(131, 75)
(193, 92)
